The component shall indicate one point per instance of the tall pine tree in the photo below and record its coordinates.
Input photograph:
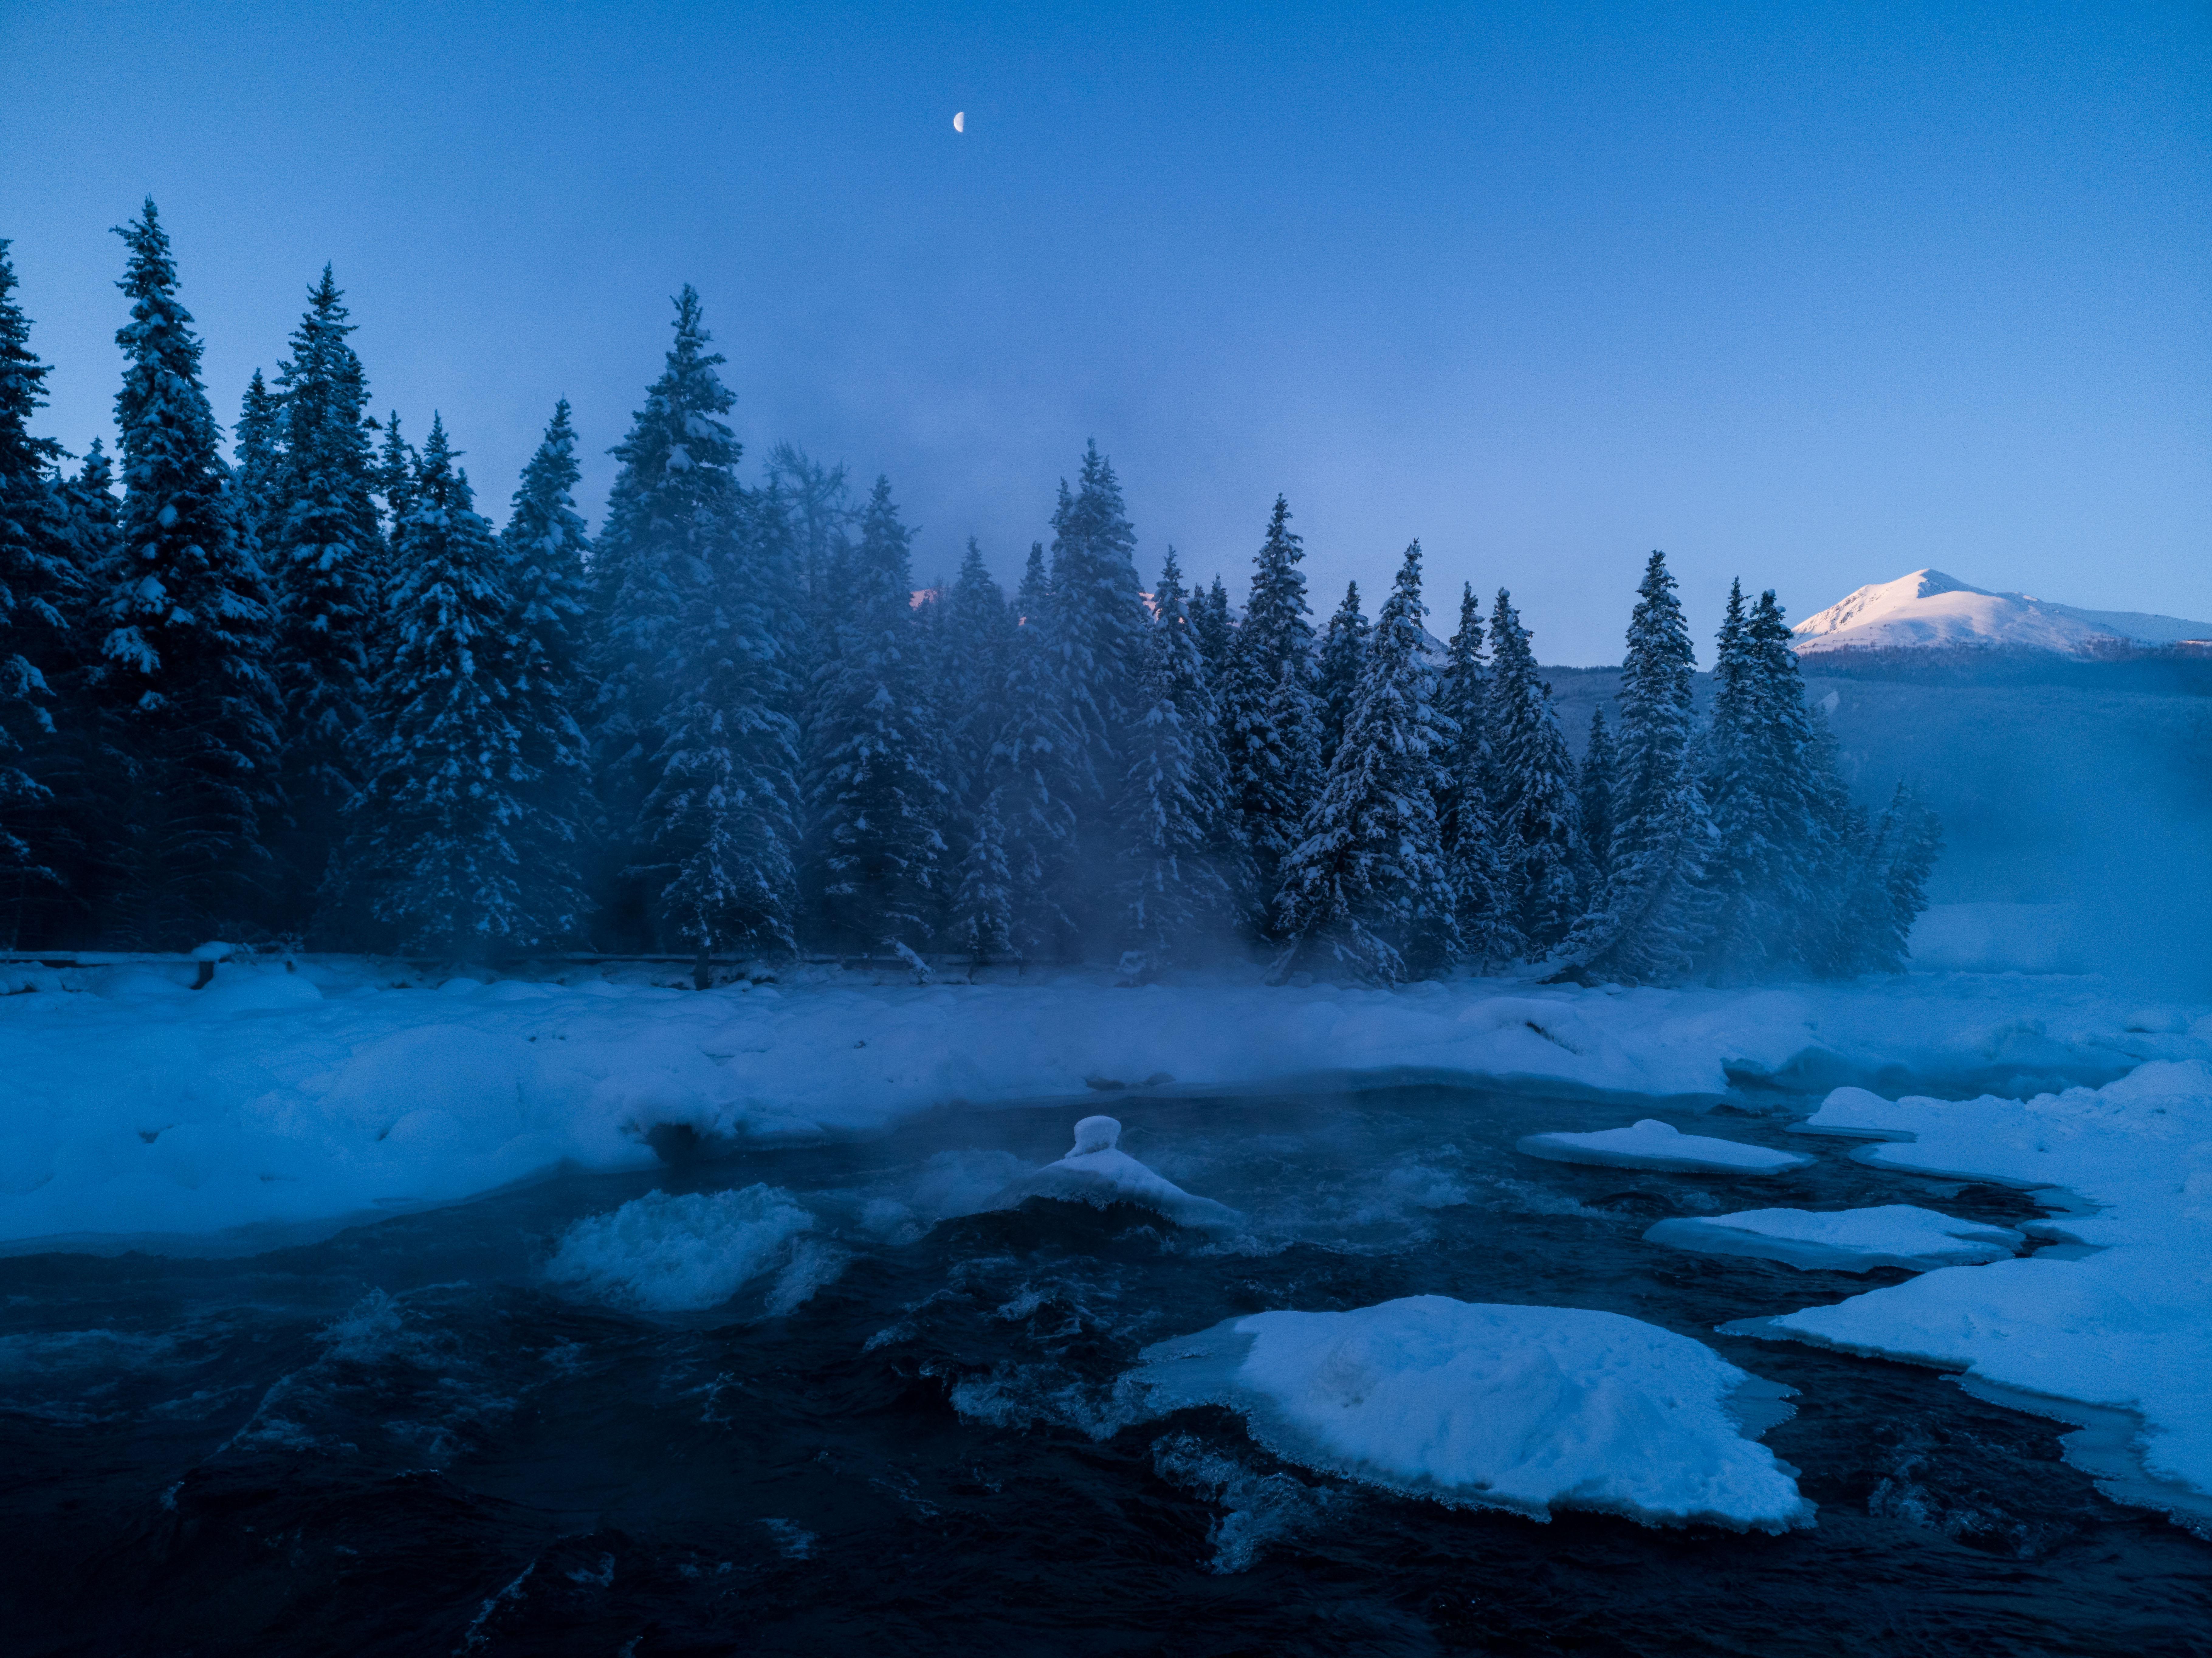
(1366, 892)
(1651, 918)
(1336, 680)
(1180, 881)
(36, 577)
(325, 555)
(183, 664)
(1488, 930)
(544, 551)
(434, 847)
(1016, 885)
(1266, 694)
(877, 792)
(1594, 785)
(1532, 788)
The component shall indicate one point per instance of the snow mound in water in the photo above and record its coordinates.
(1844, 1239)
(679, 1255)
(1651, 1144)
(1525, 1408)
(1099, 1173)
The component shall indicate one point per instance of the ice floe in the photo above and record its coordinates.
(1843, 1240)
(1525, 1408)
(2117, 1322)
(1651, 1144)
(668, 1254)
(1098, 1172)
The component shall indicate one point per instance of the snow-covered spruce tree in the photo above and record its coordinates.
(1175, 892)
(325, 554)
(36, 577)
(546, 551)
(1488, 931)
(676, 518)
(1210, 625)
(978, 642)
(260, 451)
(1651, 917)
(1786, 834)
(876, 790)
(1366, 893)
(396, 461)
(719, 833)
(189, 632)
(1099, 625)
(1532, 788)
(975, 640)
(981, 919)
(1593, 780)
(1028, 795)
(1337, 670)
(1264, 692)
(1889, 887)
(432, 849)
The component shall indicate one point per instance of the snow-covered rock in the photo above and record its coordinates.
(1651, 1144)
(1099, 1173)
(2118, 1319)
(679, 1255)
(1525, 1408)
(1930, 609)
(1843, 1240)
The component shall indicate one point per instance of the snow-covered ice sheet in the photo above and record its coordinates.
(2122, 1323)
(1843, 1240)
(1525, 1408)
(1098, 1172)
(133, 1109)
(1650, 1144)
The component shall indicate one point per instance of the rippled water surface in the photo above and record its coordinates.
(906, 1434)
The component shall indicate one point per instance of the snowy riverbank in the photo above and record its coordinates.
(131, 1105)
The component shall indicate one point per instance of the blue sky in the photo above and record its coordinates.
(1812, 295)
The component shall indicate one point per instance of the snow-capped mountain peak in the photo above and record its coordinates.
(1930, 609)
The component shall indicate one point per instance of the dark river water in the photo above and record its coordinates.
(404, 1440)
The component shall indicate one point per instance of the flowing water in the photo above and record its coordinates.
(905, 1434)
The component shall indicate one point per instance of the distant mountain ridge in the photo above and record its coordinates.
(1928, 610)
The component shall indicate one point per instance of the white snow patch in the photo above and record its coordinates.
(1097, 1172)
(1525, 1408)
(1843, 1240)
(1651, 1144)
(2124, 1324)
(685, 1254)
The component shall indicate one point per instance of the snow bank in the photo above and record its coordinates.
(1526, 1408)
(679, 1254)
(1651, 1144)
(2118, 1319)
(1843, 1240)
(1098, 1173)
(134, 1109)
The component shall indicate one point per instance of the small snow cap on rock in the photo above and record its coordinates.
(215, 952)
(1097, 1172)
(1095, 1134)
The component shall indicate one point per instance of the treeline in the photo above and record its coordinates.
(314, 693)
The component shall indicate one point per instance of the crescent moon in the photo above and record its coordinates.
(960, 121)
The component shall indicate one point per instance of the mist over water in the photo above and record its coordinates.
(909, 1428)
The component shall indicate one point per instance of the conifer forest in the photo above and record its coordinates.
(309, 690)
